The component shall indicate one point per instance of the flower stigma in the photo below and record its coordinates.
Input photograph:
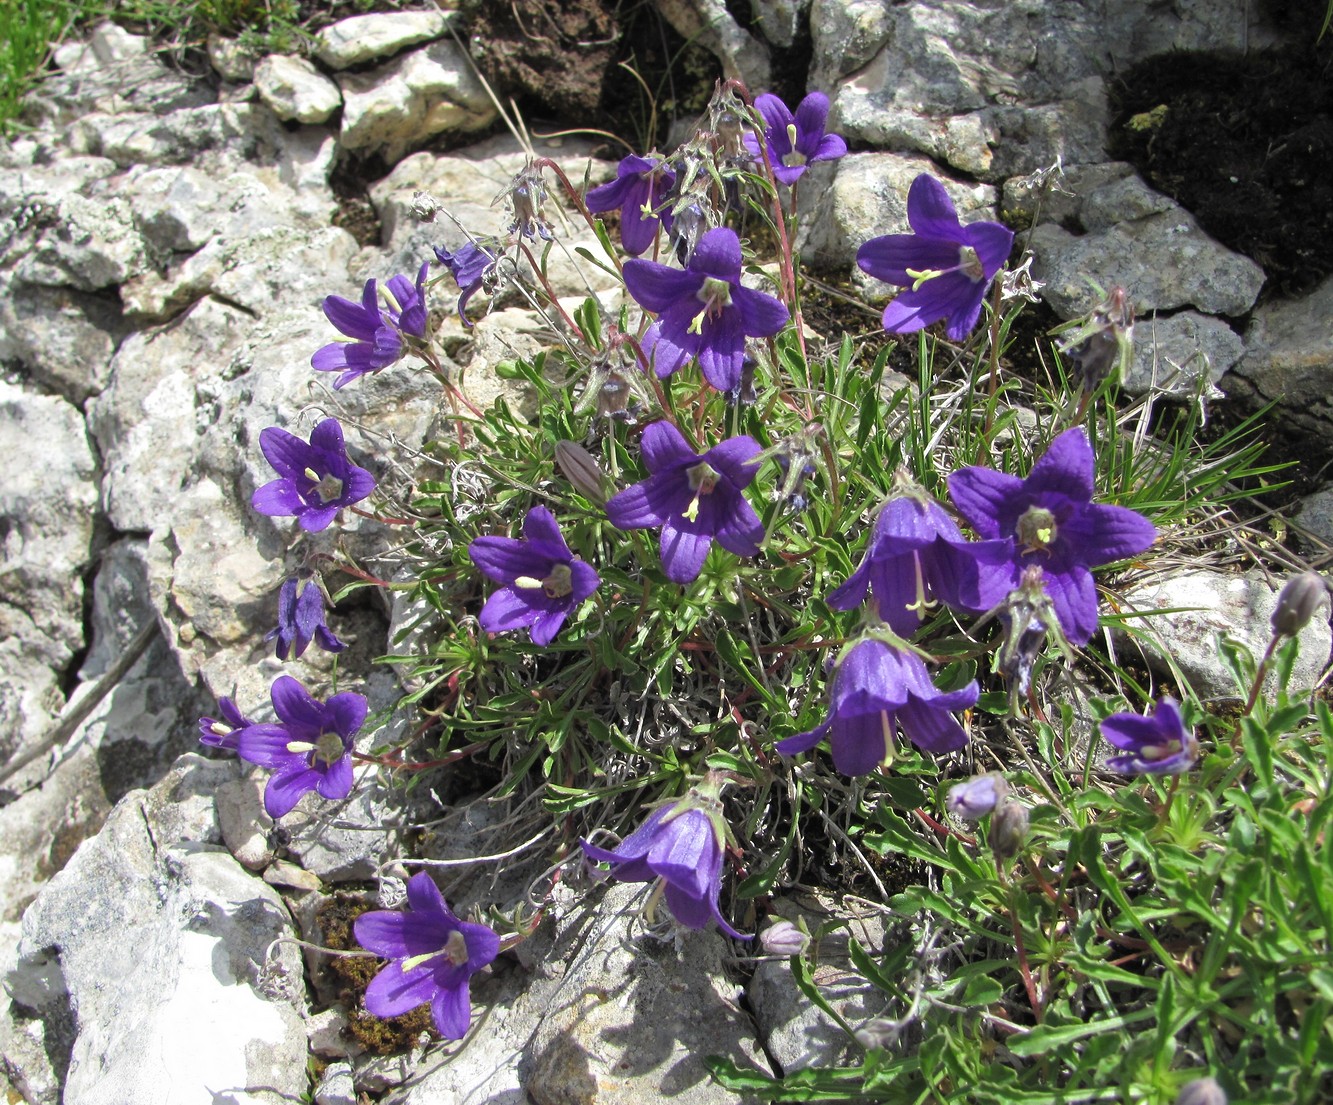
(703, 479)
(327, 487)
(970, 264)
(920, 276)
(1036, 529)
(715, 295)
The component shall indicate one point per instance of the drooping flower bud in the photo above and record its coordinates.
(978, 796)
(1100, 345)
(783, 938)
(581, 469)
(1297, 602)
(1202, 1091)
(527, 194)
(878, 1032)
(1008, 828)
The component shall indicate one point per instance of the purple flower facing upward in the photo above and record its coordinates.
(680, 846)
(794, 141)
(470, 265)
(878, 689)
(945, 266)
(301, 620)
(310, 747)
(1154, 744)
(224, 732)
(704, 311)
(377, 332)
(434, 957)
(543, 580)
(638, 192)
(695, 498)
(316, 480)
(1053, 524)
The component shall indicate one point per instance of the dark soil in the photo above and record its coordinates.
(1245, 143)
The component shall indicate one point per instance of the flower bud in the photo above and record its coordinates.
(977, 796)
(877, 1033)
(1008, 828)
(1202, 1091)
(581, 470)
(783, 938)
(1297, 603)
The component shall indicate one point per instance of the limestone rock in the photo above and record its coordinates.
(1182, 616)
(336, 1086)
(712, 26)
(231, 60)
(781, 20)
(1182, 355)
(368, 37)
(295, 90)
(1315, 516)
(399, 106)
(150, 937)
(88, 244)
(65, 338)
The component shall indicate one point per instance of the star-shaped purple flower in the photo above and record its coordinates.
(543, 580)
(377, 331)
(434, 957)
(301, 620)
(681, 844)
(795, 141)
(309, 749)
(1054, 525)
(470, 264)
(638, 191)
(703, 310)
(1159, 743)
(945, 266)
(316, 480)
(224, 732)
(695, 498)
(876, 690)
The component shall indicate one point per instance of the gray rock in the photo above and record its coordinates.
(88, 244)
(868, 197)
(63, 337)
(335, 1086)
(295, 90)
(1315, 516)
(1182, 355)
(368, 37)
(846, 34)
(203, 136)
(1025, 201)
(243, 822)
(401, 105)
(231, 60)
(781, 20)
(1164, 261)
(1122, 200)
(151, 932)
(1289, 360)
(1181, 617)
(348, 840)
(712, 26)
(327, 1031)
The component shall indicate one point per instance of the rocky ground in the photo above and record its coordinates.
(167, 241)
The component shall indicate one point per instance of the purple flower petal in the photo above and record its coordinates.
(451, 1010)
(285, 788)
(1074, 597)
(663, 446)
(657, 286)
(392, 992)
(718, 255)
(683, 553)
(982, 495)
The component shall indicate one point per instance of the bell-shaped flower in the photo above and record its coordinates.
(876, 691)
(680, 846)
(316, 480)
(1053, 524)
(301, 620)
(695, 498)
(1159, 743)
(471, 264)
(308, 749)
(945, 266)
(638, 193)
(795, 141)
(224, 732)
(377, 330)
(703, 310)
(973, 799)
(433, 958)
(543, 580)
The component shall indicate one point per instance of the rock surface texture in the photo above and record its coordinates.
(166, 243)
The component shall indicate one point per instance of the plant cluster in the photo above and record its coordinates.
(722, 545)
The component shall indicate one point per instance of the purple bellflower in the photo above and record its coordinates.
(1053, 524)
(795, 141)
(543, 580)
(638, 191)
(377, 332)
(1153, 744)
(310, 747)
(913, 561)
(976, 797)
(316, 480)
(680, 846)
(945, 266)
(703, 310)
(301, 620)
(876, 690)
(224, 732)
(434, 956)
(470, 265)
(695, 498)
